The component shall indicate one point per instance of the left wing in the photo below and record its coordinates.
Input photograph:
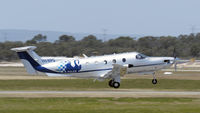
(117, 71)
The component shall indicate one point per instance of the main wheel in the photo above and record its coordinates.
(116, 84)
(154, 81)
(110, 83)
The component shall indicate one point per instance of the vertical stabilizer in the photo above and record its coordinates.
(29, 58)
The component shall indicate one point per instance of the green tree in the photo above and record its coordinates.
(37, 39)
(40, 38)
(91, 41)
(124, 42)
(66, 38)
(195, 50)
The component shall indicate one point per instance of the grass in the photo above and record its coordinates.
(178, 81)
(13, 71)
(88, 84)
(99, 105)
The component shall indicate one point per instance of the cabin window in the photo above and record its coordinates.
(123, 60)
(114, 61)
(105, 62)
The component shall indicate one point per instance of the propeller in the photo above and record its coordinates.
(175, 62)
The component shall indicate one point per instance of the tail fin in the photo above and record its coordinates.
(29, 58)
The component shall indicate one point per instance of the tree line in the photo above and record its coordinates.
(186, 46)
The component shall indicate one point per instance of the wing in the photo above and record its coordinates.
(117, 71)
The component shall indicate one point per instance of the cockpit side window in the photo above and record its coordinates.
(140, 56)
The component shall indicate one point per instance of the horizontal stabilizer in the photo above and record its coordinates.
(19, 49)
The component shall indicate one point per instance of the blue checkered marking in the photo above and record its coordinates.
(69, 66)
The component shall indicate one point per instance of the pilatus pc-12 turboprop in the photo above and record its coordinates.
(98, 67)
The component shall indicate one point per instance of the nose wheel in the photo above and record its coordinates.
(154, 81)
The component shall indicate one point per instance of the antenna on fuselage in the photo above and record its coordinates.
(85, 56)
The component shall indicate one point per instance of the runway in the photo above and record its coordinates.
(135, 94)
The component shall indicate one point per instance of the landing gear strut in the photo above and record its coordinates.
(114, 84)
(154, 81)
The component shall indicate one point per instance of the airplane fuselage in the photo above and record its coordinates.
(97, 66)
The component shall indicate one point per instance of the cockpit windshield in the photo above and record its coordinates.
(141, 56)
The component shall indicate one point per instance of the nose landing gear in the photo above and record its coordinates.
(154, 81)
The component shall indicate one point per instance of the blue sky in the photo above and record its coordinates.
(143, 17)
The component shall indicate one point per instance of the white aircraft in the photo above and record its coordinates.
(98, 67)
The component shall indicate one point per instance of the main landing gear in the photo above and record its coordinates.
(154, 81)
(114, 84)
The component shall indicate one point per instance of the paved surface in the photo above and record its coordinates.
(135, 94)
(181, 70)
